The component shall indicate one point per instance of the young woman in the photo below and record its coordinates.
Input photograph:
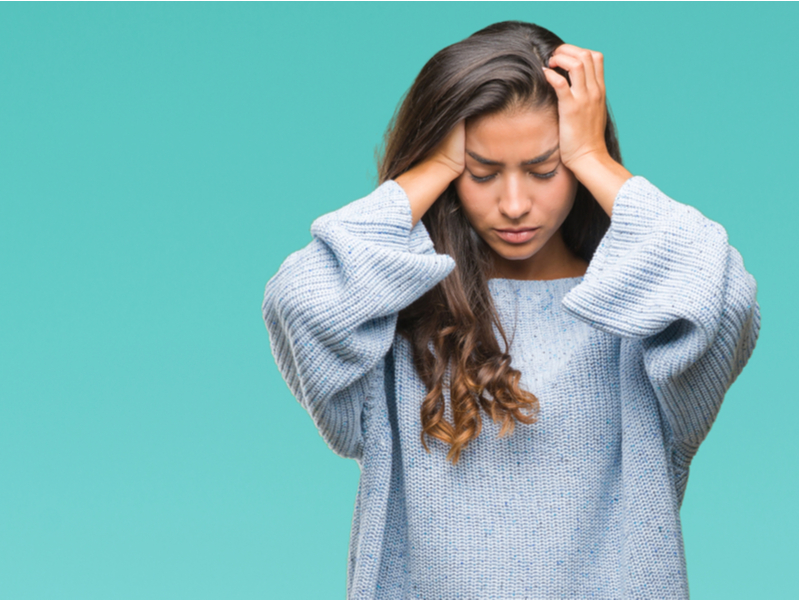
(521, 344)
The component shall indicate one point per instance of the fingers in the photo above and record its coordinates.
(576, 69)
(597, 57)
(585, 69)
(559, 83)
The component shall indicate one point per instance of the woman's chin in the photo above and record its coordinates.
(520, 252)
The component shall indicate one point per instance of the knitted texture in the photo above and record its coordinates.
(630, 363)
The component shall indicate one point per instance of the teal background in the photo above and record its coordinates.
(159, 161)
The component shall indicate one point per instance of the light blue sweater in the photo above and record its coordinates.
(630, 363)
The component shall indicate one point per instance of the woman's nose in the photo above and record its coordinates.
(514, 202)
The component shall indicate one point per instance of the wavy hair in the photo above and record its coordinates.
(451, 327)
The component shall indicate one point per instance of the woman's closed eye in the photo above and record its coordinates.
(493, 175)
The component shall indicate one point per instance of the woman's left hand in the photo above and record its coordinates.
(582, 119)
(581, 106)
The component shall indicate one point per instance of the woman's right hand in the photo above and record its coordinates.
(425, 182)
(451, 151)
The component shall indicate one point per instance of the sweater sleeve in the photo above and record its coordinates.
(666, 275)
(331, 309)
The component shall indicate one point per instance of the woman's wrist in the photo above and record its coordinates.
(602, 176)
(423, 184)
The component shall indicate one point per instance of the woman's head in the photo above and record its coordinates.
(514, 180)
(494, 69)
(493, 80)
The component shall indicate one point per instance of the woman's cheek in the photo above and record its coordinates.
(464, 187)
(467, 195)
(571, 185)
(460, 189)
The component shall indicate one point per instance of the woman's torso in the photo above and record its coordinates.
(528, 511)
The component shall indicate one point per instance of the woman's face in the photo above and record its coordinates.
(514, 179)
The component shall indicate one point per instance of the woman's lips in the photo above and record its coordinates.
(516, 237)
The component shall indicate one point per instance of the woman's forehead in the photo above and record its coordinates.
(513, 137)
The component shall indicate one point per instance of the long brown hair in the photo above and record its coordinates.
(451, 327)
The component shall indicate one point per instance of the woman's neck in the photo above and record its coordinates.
(553, 261)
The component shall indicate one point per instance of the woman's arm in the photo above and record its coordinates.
(602, 176)
(665, 275)
(425, 182)
(331, 309)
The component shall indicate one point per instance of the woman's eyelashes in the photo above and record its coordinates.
(493, 175)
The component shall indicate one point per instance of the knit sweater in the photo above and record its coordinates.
(630, 363)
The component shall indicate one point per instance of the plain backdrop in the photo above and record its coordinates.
(159, 161)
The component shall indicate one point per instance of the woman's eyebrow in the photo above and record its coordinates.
(532, 161)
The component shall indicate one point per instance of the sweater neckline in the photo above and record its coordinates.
(535, 282)
(506, 290)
